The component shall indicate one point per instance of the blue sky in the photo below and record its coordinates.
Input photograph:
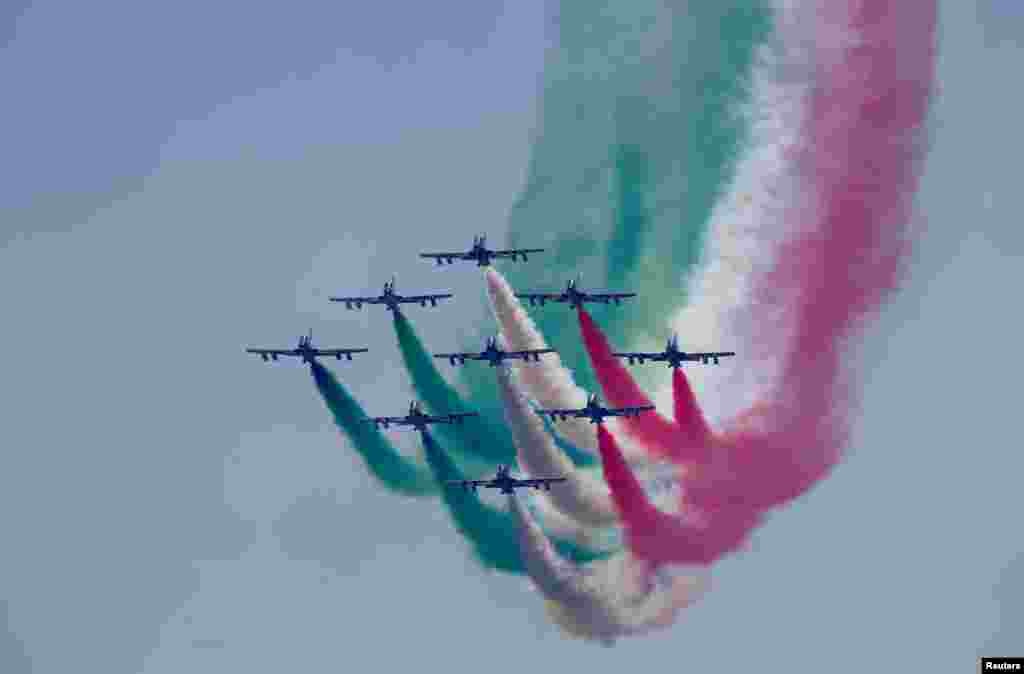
(184, 180)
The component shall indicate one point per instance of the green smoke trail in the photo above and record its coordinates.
(639, 135)
(705, 145)
(491, 531)
(397, 472)
(632, 223)
(484, 436)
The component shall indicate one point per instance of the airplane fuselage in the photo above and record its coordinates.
(674, 357)
(504, 484)
(390, 299)
(418, 421)
(481, 255)
(596, 413)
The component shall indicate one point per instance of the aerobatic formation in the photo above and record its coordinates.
(624, 506)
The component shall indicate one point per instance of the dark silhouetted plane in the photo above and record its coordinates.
(481, 253)
(674, 357)
(306, 351)
(575, 297)
(418, 420)
(493, 354)
(504, 481)
(594, 411)
(391, 299)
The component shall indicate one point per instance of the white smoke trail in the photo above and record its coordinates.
(747, 224)
(558, 524)
(661, 485)
(582, 496)
(606, 600)
(548, 382)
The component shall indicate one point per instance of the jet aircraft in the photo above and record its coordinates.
(493, 354)
(481, 253)
(674, 357)
(306, 351)
(418, 420)
(504, 481)
(391, 299)
(594, 411)
(575, 297)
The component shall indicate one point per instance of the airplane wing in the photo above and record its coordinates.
(562, 414)
(540, 481)
(526, 355)
(337, 353)
(467, 484)
(629, 411)
(516, 252)
(357, 301)
(453, 418)
(419, 299)
(444, 256)
(606, 297)
(387, 421)
(273, 352)
(455, 358)
(640, 356)
(534, 298)
(705, 356)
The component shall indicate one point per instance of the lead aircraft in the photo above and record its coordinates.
(481, 253)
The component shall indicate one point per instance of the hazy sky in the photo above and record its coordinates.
(182, 180)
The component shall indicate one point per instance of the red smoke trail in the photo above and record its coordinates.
(689, 419)
(862, 157)
(860, 161)
(660, 436)
(660, 538)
